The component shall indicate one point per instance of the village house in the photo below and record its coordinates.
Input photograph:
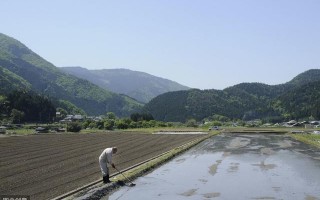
(71, 118)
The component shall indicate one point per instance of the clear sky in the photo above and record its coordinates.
(206, 44)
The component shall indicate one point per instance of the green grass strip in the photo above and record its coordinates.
(311, 139)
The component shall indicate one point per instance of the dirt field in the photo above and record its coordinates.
(45, 166)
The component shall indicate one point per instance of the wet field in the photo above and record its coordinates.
(234, 166)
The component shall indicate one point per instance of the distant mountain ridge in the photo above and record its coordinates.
(243, 101)
(21, 68)
(138, 85)
(306, 77)
(304, 100)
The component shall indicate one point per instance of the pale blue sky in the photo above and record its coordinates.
(206, 44)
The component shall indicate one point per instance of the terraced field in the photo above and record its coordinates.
(46, 166)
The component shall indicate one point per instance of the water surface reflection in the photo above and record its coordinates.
(233, 166)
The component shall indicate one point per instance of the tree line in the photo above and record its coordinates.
(245, 102)
(26, 106)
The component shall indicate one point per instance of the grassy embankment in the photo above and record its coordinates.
(313, 140)
(20, 131)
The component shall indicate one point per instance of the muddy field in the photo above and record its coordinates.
(233, 166)
(46, 166)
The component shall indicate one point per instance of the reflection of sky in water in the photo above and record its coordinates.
(215, 174)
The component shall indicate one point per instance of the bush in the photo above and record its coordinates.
(216, 123)
(141, 117)
(161, 124)
(108, 124)
(86, 124)
(122, 124)
(92, 125)
(191, 123)
(100, 124)
(133, 124)
(74, 127)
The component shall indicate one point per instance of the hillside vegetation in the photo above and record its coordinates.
(296, 99)
(24, 73)
(22, 69)
(303, 101)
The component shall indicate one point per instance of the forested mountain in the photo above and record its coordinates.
(20, 68)
(296, 98)
(138, 85)
(309, 76)
(303, 101)
(255, 89)
(200, 104)
(10, 81)
(24, 71)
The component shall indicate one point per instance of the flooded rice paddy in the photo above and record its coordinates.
(234, 166)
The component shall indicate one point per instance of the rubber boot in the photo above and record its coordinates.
(106, 179)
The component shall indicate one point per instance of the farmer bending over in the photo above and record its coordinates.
(104, 158)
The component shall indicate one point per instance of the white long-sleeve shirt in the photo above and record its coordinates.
(106, 156)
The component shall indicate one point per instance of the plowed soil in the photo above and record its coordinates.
(46, 166)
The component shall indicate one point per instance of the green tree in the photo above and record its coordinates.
(216, 123)
(108, 124)
(146, 124)
(140, 117)
(37, 108)
(133, 124)
(92, 125)
(16, 116)
(153, 123)
(221, 118)
(161, 124)
(63, 113)
(4, 107)
(100, 124)
(74, 127)
(86, 124)
(135, 117)
(111, 115)
(191, 123)
(122, 124)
